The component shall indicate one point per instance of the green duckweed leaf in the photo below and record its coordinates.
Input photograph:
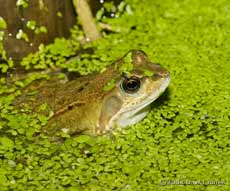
(110, 85)
(3, 24)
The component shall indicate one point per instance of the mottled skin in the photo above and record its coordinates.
(83, 106)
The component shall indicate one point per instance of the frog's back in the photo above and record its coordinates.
(53, 92)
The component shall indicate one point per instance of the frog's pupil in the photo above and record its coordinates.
(131, 85)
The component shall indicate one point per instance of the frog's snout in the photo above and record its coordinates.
(162, 75)
(165, 74)
(159, 71)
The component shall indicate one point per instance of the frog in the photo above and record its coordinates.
(99, 103)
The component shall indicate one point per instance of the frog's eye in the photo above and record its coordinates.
(131, 85)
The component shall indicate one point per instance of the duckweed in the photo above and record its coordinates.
(183, 143)
(148, 73)
(127, 65)
(110, 85)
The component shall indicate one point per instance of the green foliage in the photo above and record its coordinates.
(41, 29)
(110, 85)
(148, 73)
(110, 10)
(53, 55)
(184, 137)
(50, 55)
(59, 14)
(31, 24)
(22, 35)
(2, 23)
(127, 65)
(4, 66)
(22, 3)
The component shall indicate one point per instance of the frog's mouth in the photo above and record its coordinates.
(133, 114)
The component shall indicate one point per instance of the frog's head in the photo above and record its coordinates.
(137, 83)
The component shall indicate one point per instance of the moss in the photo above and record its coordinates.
(184, 137)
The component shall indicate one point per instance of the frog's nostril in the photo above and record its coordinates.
(166, 73)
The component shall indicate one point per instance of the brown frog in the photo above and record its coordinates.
(94, 104)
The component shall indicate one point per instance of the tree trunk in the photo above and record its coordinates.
(45, 13)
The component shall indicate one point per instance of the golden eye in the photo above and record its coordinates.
(131, 85)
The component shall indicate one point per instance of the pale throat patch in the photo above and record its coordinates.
(128, 117)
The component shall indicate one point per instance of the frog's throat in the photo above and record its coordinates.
(129, 116)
